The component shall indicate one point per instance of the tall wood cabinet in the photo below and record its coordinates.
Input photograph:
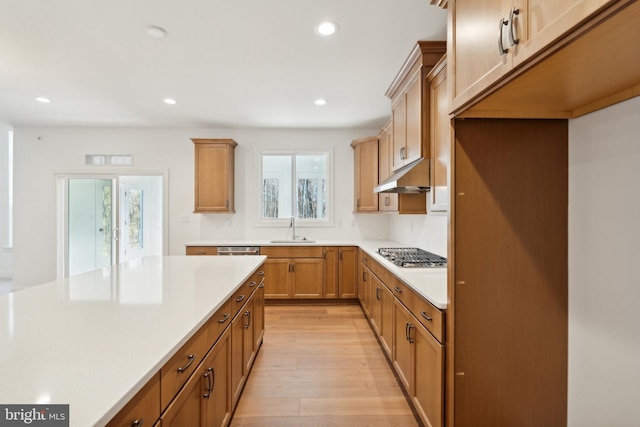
(214, 175)
(507, 328)
(365, 151)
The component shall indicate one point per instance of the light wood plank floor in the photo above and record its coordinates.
(321, 366)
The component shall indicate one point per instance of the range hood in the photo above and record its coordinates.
(411, 178)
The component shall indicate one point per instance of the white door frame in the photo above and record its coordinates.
(62, 178)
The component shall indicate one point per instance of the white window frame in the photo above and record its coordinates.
(304, 222)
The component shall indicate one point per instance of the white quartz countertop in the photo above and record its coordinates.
(431, 283)
(93, 340)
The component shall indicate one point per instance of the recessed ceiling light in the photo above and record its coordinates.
(170, 101)
(326, 28)
(157, 32)
(43, 100)
(320, 101)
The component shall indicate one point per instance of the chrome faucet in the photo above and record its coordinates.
(292, 224)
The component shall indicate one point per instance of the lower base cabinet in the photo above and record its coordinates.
(205, 398)
(418, 358)
(243, 347)
(211, 388)
(410, 330)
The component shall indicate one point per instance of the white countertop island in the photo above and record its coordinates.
(93, 340)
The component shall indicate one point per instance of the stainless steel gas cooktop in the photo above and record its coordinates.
(413, 258)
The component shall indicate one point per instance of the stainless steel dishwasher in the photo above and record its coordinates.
(238, 250)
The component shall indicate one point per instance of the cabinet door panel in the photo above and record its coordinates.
(386, 335)
(258, 310)
(398, 117)
(237, 362)
(277, 283)
(475, 46)
(429, 380)
(441, 136)
(307, 278)
(414, 111)
(403, 347)
(540, 22)
(330, 276)
(187, 408)
(217, 408)
(366, 174)
(348, 271)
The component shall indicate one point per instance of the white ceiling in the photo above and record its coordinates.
(228, 63)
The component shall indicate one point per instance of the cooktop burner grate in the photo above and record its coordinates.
(413, 257)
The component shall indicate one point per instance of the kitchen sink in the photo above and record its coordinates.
(298, 241)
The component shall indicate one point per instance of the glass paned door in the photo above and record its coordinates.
(90, 224)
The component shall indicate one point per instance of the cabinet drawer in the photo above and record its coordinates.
(202, 250)
(401, 291)
(429, 316)
(241, 296)
(291, 251)
(177, 370)
(145, 405)
(218, 322)
(365, 258)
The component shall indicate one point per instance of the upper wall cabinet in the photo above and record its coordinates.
(387, 202)
(365, 152)
(509, 58)
(410, 103)
(214, 180)
(441, 136)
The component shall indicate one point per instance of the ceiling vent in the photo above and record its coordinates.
(108, 159)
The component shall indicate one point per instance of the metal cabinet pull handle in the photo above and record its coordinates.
(397, 289)
(201, 253)
(240, 298)
(407, 331)
(501, 48)
(261, 284)
(378, 293)
(513, 36)
(137, 423)
(247, 314)
(260, 273)
(424, 314)
(224, 318)
(252, 284)
(210, 376)
(185, 367)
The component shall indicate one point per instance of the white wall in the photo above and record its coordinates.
(41, 153)
(6, 258)
(428, 232)
(604, 254)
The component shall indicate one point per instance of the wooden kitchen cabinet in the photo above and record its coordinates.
(516, 299)
(410, 105)
(441, 136)
(243, 349)
(418, 359)
(145, 405)
(204, 400)
(293, 272)
(365, 156)
(538, 25)
(214, 175)
(340, 271)
(201, 250)
(382, 314)
(387, 202)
